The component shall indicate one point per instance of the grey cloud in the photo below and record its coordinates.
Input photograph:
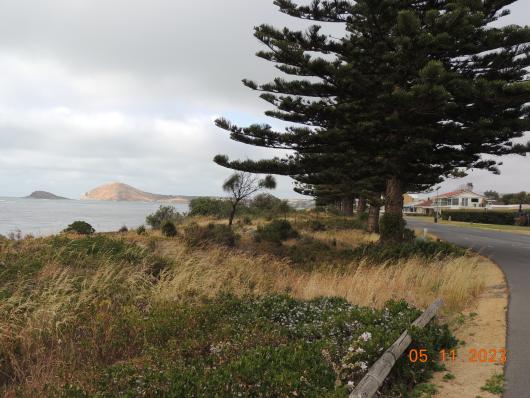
(94, 90)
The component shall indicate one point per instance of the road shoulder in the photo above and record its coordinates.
(482, 326)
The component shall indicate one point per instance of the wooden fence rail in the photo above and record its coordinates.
(377, 374)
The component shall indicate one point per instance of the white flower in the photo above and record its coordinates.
(350, 383)
(363, 366)
(365, 336)
(359, 350)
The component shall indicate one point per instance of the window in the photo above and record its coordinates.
(465, 202)
(474, 200)
(454, 202)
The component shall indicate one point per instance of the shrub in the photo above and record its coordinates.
(344, 223)
(81, 228)
(247, 220)
(168, 229)
(267, 205)
(164, 213)
(141, 230)
(523, 220)
(481, 216)
(266, 347)
(221, 234)
(394, 251)
(123, 229)
(276, 231)
(317, 225)
(392, 227)
(219, 208)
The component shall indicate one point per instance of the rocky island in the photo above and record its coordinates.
(44, 195)
(117, 192)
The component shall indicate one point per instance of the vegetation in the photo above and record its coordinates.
(209, 207)
(509, 198)
(377, 252)
(242, 186)
(168, 229)
(163, 214)
(127, 314)
(482, 216)
(262, 205)
(276, 231)
(81, 228)
(365, 126)
(495, 384)
(196, 235)
(141, 230)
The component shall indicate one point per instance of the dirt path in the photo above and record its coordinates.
(480, 327)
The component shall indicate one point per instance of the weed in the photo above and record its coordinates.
(495, 384)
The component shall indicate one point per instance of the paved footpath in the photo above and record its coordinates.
(512, 253)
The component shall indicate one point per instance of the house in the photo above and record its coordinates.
(462, 198)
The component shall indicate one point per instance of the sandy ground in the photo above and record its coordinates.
(481, 327)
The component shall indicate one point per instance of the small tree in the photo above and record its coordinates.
(168, 229)
(241, 186)
(492, 195)
(164, 213)
(81, 228)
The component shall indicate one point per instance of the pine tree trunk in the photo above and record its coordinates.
(394, 197)
(232, 215)
(393, 225)
(347, 206)
(373, 219)
(361, 206)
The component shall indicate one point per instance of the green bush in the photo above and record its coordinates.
(164, 213)
(481, 216)
(141, 230)
(276, 231)
(123, 229)
(81, 228)
(219, 208)
(345, 223)
(316, 225)
(267, 205)
(394, 251)
(168, 229)
(265, 347)
(221, 234)
(392, 227)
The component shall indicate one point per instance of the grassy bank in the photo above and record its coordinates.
(142, 315)
(491, 227)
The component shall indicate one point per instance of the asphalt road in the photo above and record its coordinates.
(512, 253)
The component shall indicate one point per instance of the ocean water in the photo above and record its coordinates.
(41, 217)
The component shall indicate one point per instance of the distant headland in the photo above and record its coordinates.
(44, 195)
(119, 192)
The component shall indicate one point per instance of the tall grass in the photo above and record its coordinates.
(457, 280)
(66, 307)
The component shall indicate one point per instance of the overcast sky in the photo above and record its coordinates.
(96, 91)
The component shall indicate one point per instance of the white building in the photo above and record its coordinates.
(463, 198)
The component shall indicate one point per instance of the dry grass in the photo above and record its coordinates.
(345, 238)
(46, 313)
(457, 280)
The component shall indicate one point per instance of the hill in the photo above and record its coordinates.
(44, 195)
(122, 192)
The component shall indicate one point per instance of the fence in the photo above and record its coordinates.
(377, 374)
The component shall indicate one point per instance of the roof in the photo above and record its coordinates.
(425, 203)
(457, 193)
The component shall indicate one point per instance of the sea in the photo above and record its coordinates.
(42, 217)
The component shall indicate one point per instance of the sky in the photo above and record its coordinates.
(98, 91)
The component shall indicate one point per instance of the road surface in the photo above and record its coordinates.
(512, 253)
